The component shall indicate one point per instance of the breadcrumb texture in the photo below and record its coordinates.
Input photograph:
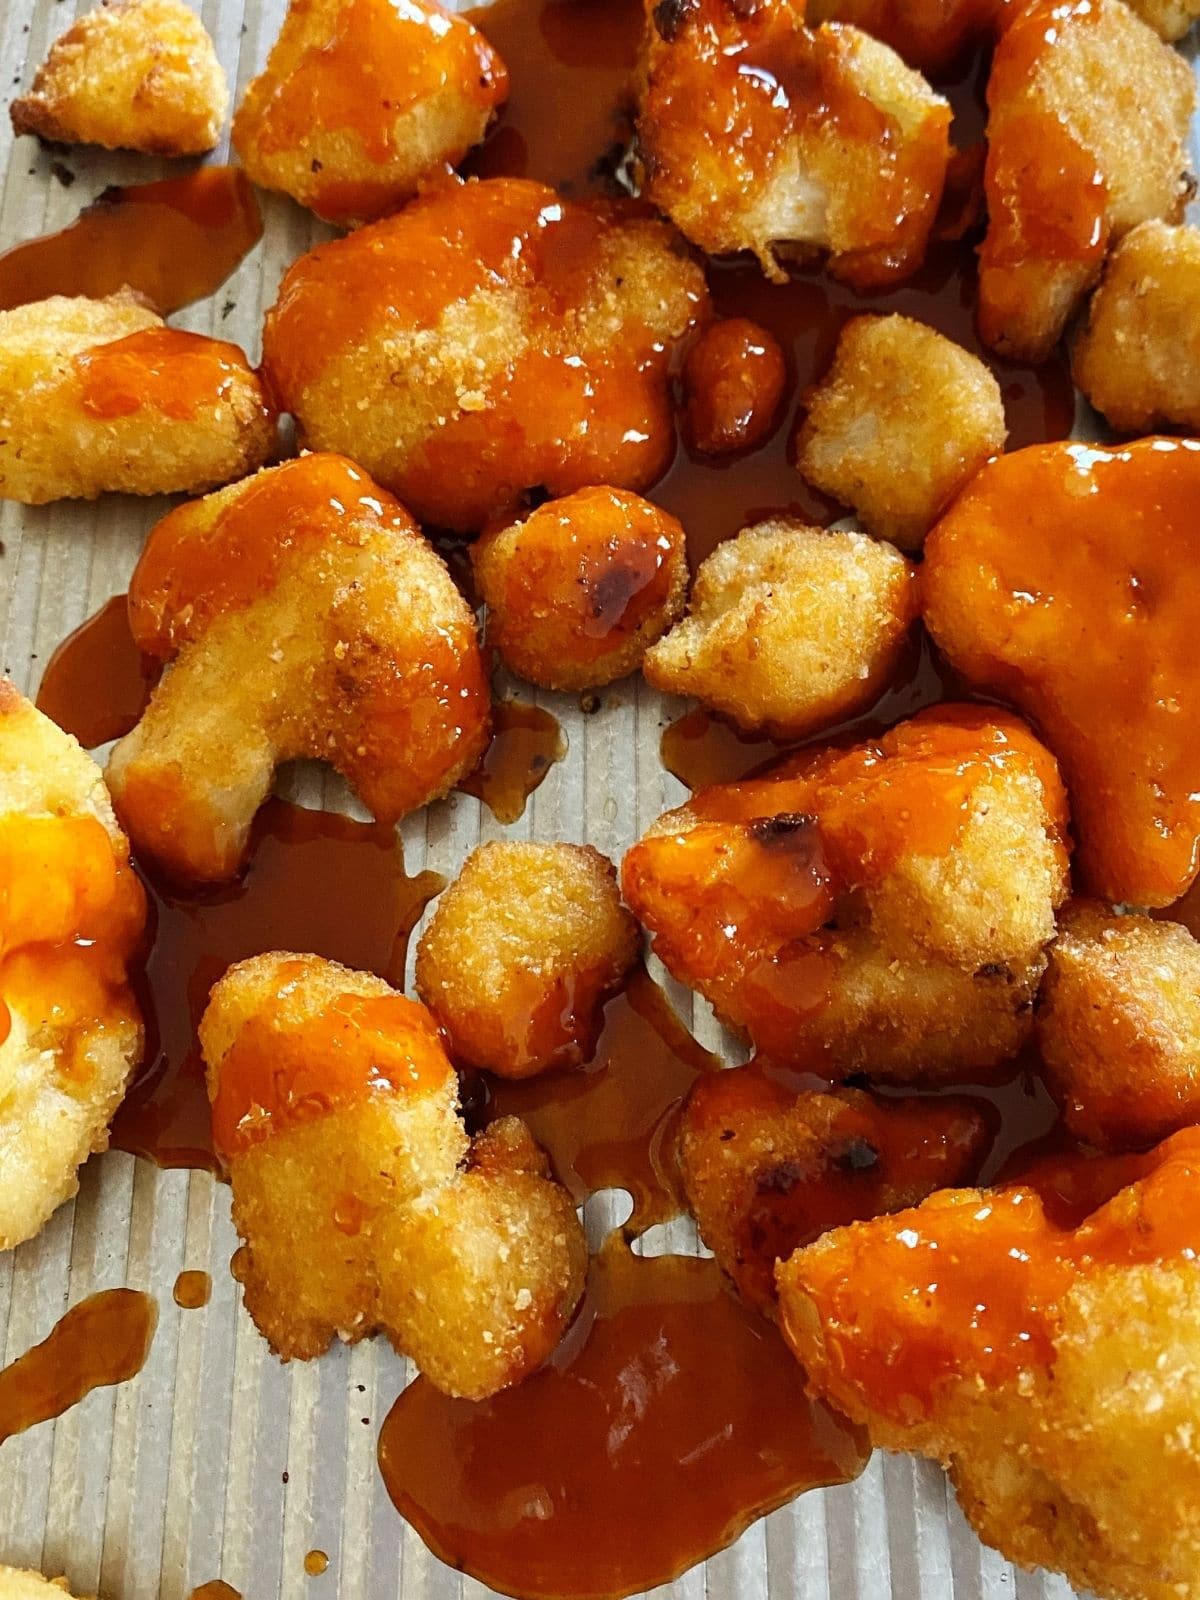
(760, 134)
(21, 1584)
(579, 589)
(363, 100)
(71, 917)
(1044, 1349)
(930, 34)
(790, 628)
(100, 395)
(363, 1204)
(1119, 1026)
(1170, 19)
(130, 75)
(1088, 116)
(520, 954)
(880, 909)
(489, 340)
(900, 422)
(1138, 357)
(302, 614)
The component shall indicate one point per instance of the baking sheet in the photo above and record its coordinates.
(217, 1461)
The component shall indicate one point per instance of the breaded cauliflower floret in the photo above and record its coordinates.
(489, 340)
(20, 1584)
(930, 34)
(766, 1170)
(521, 953)
(363, 1204)
(1138, 358)
(1087, 126)
(882, 908)
(900, 422)
(100, 395)
(1119, 1026)
(302, 614)
(790, 628)
(71, 916)
(363, 100)
(1046, 1352)
(1170, 19)
(734, 377)
(130, 75)
(760, 134)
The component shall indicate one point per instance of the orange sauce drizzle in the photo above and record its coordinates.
(526, 742)
(192, 1290)
(97, 683)
(174, 373)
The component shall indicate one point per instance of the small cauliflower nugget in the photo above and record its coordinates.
(302, 614)
(760, 134)
(1138, 358)
(521, 953)
(489, 340)
(1042, 1341)
(734, 377)
(579, 589)
(363, 1204)
(130, 75)
(790, 628)
(100, 395)
(930, 34)
(362, 100)
(1088, 115)
(900, 422)
(71, 916)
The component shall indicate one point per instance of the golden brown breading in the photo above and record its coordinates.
(579, 589)
(1119, 1026)
(71, 916)
(100, 395)
(1044, 1349)
(1087, 128)
(130, 75)
(303, 615)
(760, 134)
(363, 100)
(21, 1584)
(489, 340)
(521, 953)
(930, 34)
(1138, 358)
(879, 909)
(790, 628)
(900, 422)
(1170, 19)
(362, 1202)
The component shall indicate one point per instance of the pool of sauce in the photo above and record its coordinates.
(97, 683)
(192, 1290)
(215, 1589)
(526, 742)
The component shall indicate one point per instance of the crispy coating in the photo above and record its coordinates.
(521, 953)
(18, 1583)
(363, 1204)
(1138, 358)
(931, 35)
(766, 1170)
(879, 909)
(1045, 1352)
(71, 916)
(361, 101)
(790, 628)
(734, 378)
(1088, 115)
(303, 615)
(579, 589)
(1119, 1026)
(130, 75)
(489, 340)
(100, 395)
(1170, 19)
(760, 134)
(900, 422)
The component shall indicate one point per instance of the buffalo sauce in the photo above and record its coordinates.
(192, 1290)
(98, 682)
(180, 375)
(526, 742)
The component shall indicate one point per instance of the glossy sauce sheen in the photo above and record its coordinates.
(526, 742)
(192, 1290)
(177, 374)
(97, 683)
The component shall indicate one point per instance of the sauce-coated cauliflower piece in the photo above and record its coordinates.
(489, 340)
(1088, 115)
(882, 908)
(302, 614)
(790, 628)
(130, 75)
(733, 381)
(71, 916)
(901, 421)
(1043, 1342)
(760, 134)
(1138, 357)
(100, 395)
(361, 101)
(362, 1202)
(521, 953)
(930, 34)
